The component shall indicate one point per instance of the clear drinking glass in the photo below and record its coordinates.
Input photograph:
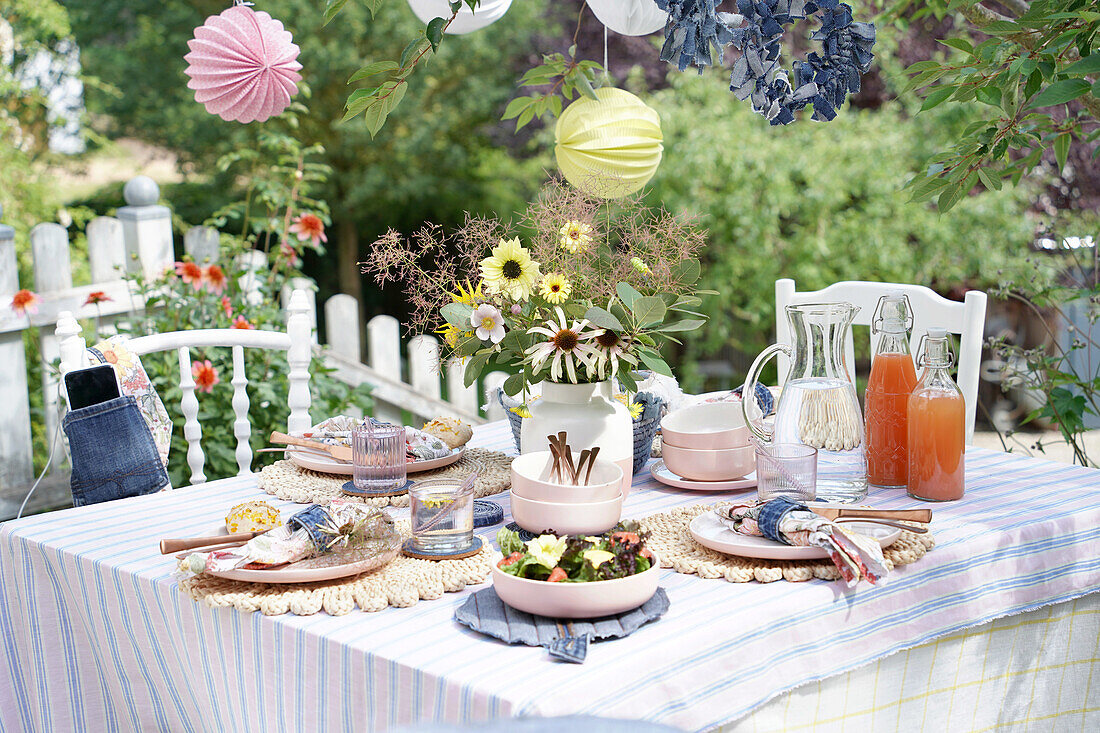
(378, 455)
(442, 515)
(786, 469)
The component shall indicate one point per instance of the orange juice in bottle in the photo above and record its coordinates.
(937, 426)
(886, 402)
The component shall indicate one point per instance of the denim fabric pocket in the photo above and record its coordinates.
(113, 453)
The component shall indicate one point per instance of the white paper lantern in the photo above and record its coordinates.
(467, 21)
(629, 17)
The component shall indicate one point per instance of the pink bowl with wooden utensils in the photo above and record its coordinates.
(562, 518)
(531, 479)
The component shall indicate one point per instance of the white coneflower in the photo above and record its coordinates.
(610, 349)
(566, 344)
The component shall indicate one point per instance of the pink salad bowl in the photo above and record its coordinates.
(575, 600)
(531, 474)
(708, 426)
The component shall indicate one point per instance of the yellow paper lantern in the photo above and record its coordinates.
(611, 146)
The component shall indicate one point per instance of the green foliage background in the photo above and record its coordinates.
(818, 203)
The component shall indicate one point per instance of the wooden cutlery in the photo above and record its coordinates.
(563, 469)
(167, 547)
(339, 452)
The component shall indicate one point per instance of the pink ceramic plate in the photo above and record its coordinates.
(709, 532)
(660, 472)
(324, 463)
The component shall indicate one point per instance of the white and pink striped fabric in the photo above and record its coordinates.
(96, 636)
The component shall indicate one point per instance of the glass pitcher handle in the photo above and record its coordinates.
(748, 392)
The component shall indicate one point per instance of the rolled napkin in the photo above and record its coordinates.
(423, 447)
(792, 523)
(313, 531)
(419, 445)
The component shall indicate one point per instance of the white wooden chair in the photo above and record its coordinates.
(296, 341)
(929, 311)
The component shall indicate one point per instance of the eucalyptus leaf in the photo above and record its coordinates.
(627, 294)
(601, 318)
(684, 325)
(655, 362)
(648, 310)
(457, 314)
(513, 385)
(473, 368)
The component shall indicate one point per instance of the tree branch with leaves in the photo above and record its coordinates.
(1033, 70)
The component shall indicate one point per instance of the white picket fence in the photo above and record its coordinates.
(405, 377)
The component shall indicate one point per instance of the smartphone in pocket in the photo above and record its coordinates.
(91, 386)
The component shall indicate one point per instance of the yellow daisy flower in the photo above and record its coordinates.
(510, 270)
(520, 410)
(634, 407)
(468, 295)
(451, 334)
(575, 236)
(555, 288)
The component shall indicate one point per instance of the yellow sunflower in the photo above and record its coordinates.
(555, 288)
(510, 270)
(575, 236)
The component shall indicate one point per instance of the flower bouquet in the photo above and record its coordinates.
(580, 291)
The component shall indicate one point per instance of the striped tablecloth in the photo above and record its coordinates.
(96, 635)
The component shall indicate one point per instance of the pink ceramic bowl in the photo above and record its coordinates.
(709, 465)
(590, 517)
(530, 479)
(575, 600)
(708, 426)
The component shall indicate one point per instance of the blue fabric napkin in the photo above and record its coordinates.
(565, 639)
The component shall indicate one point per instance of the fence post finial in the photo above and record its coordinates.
(70, 342)
(146, 228)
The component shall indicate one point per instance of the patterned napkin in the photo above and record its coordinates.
(855, 555)
(336, 430)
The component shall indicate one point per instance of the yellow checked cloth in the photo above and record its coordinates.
(1035, 671)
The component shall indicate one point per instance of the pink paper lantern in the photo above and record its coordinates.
(242, 65)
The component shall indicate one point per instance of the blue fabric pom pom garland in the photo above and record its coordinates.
(824, 79)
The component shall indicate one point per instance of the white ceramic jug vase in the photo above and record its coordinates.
(590, 415)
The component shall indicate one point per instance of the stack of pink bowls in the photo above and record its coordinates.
(707, 442)
(540, 504)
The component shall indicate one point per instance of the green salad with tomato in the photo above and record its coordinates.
(576, 558)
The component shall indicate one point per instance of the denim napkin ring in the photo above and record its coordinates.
(113, 453)
(312, 519)
(772, 513)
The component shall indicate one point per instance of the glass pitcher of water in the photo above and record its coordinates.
(818, 405)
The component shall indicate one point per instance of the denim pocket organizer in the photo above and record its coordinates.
(113, 453)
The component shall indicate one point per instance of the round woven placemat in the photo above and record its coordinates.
(673, 544)
(287, 481)
(401, 583)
